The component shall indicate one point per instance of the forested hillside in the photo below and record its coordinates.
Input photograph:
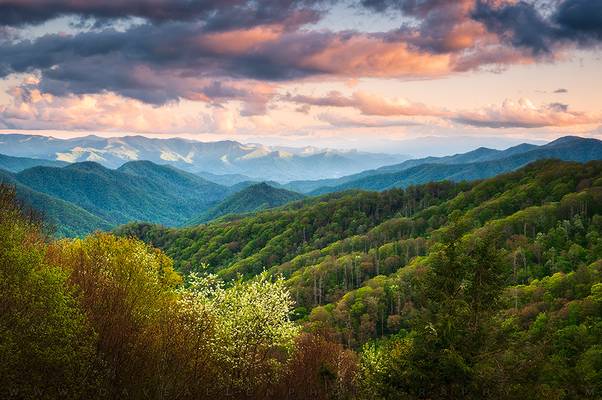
(136, 191)
(489, 287)
(477, 164)
(82, 197)
(62, 217)
(256, 197)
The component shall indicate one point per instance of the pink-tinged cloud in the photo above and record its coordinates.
(357, 55)
(510, 114)
(32, 109)
(368, 104)
(524, 114)
(240, 41)
(222, 51)
(170, 62)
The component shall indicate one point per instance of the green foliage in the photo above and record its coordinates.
(46, 347)
(108, 317)
(482, 290)
(270, 238)
(471, 290)
(253, 332)
(137, 191)
(63, 218)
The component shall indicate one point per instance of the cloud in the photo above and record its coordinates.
(561, 90)
(332, 99)
(368, 104)
(362, 122)
(215, 14)
(524, 114)
(218, 51)
(32, 109)
(510, 114)
(523, 24)
(220, 120)
(158, 64)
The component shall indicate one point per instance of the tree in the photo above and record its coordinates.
(46, 345)
(254, 334)
(126, 290)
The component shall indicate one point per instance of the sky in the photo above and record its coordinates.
(377, 75)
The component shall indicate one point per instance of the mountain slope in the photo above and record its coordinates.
(257, 197)
(16, 164)
(299, 239)
(140, 191)
(449, 168)
(181, 183)
(357, 258)
(66, 219)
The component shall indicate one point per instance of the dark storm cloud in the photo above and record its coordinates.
(412, 7)
(185, 44)
(154, 64)
(580, 19)
(217, 14)
(430, 25)
(522, 25)
(519, 24)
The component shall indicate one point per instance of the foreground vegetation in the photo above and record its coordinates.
(485, 290)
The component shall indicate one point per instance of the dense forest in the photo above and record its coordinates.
(487, 289)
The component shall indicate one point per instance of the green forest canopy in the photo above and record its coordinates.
(491, 289)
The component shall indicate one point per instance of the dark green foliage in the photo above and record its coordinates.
(483, 290)
(61, 217)
(270, 238)
(137, 191)
(257, 197)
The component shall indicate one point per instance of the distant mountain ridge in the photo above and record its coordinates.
(477, 164)
(257, 197)
(81, 197)
(258, 162)
(16, 164)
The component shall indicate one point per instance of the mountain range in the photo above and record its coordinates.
(85, 196)
(16, 164)
(80, 197)
(97, 197)
(477, 164)
(255, 161)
